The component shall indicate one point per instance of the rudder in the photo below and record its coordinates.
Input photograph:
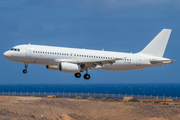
(158, 45)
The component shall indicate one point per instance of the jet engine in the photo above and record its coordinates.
(66, 67)
(70, 68)
(52, 67)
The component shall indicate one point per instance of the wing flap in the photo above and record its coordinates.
(95, 63)
(90, 63)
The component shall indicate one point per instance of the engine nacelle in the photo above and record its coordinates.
(70, 68)
(52, 67)
(66, 67)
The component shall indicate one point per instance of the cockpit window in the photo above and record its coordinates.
(15, 49)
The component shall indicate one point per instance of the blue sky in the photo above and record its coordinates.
(113, 25)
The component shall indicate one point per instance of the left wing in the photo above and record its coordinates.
(90, 63)
(95, 63)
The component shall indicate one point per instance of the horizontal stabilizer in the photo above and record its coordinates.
(161, 61)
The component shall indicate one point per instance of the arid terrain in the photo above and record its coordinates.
(30, 108)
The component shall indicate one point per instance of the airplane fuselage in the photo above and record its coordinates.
(73, 60)
(47, 55)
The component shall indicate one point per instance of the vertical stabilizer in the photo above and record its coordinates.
(158, 45)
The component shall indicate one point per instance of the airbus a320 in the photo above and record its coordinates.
(72, 60)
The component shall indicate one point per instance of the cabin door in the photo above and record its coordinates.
(138, 60)
(28, 52)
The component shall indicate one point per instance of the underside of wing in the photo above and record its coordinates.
(95, 63)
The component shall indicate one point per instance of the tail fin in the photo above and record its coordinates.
(158, 45)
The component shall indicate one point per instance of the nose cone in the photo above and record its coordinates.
(6, 55)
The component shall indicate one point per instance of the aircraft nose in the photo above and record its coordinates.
(6, 55)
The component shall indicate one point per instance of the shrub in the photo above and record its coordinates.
(134, 100)
(116, 99)
(165, 103)
(157, 102)
(84, 97)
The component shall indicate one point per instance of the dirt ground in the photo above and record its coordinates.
(30, 108)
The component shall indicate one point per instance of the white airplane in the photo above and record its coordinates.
(72, 60)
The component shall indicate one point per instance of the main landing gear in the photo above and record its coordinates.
(77, 75)
(86, 76)
(25, 70)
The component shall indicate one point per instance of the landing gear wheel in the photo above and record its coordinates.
(77, 75)
(86, 76)
(24, 71)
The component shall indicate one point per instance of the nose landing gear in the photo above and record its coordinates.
(25, 70)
